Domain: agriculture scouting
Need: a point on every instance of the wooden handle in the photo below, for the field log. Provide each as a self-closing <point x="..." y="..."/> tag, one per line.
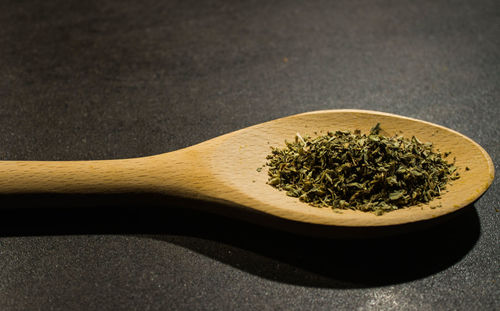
<point x="74" y="176"/>
<point x="178" y="173"/>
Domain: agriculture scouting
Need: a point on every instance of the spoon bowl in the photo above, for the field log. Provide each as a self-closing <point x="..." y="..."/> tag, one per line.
<point x="224" y="169"/>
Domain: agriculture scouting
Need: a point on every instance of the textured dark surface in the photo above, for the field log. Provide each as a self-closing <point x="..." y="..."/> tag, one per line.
<point x="117" y="79"/>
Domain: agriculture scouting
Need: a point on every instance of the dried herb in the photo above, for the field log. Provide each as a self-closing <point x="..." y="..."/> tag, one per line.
<point x="367" y="172"/>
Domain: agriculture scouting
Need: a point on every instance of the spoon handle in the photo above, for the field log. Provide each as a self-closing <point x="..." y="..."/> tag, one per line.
<point x="74" y="176"/>
<point x="178" y="173"/>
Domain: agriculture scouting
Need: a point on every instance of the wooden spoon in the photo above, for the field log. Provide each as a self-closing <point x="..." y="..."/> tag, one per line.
<point x="224" y="169"/>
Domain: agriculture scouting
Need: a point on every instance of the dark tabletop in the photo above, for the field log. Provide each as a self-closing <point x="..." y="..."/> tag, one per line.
<point x="86" y="80"/>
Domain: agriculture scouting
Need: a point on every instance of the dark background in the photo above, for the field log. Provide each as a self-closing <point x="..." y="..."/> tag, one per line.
<point x="116" y="79"/>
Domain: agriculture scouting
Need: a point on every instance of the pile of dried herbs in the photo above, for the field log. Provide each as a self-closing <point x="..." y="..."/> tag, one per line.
<point x="357" y="171"/>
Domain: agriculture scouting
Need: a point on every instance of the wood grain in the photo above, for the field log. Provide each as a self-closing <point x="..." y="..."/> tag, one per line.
<point x="224" y="169"/>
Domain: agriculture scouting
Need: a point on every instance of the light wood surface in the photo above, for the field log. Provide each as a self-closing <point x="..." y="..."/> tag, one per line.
<point x="224" y="169"/>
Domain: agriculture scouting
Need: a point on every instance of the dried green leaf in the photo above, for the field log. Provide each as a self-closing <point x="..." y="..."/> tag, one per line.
<point x="367" y="172"/>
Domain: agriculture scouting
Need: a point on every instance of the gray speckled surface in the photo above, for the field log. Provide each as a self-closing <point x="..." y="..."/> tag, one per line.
<point x="116" y="79"/>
